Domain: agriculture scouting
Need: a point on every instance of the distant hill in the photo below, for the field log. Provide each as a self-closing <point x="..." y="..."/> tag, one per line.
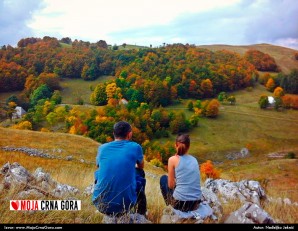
<point x="283" y="56"/>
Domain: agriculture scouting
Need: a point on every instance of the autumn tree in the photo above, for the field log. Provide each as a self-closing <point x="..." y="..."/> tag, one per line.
<point x="278" y="92"/>
<point x="102" y="44"/>
<point x="262" y="61"/>
<point x="113" y="92"/>
<point x="207" y="88"/>
<point x="270" y="85"/>
<point x="23" y="125"/>
<point x="12" y="76"/>
<point x="211" y="108"/>
<point x="264" y="78"/>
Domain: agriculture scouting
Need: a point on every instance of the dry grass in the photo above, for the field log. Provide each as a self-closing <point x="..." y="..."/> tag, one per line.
<point x="278" y="177"/>
<point x="282" y="213"/>
<point x="71" y="145"/>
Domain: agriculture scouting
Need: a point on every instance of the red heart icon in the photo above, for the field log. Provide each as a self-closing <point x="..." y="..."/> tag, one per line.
<point x="15" y="205"/>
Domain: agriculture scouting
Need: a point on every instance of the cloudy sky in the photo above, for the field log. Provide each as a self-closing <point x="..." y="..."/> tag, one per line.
<point x="143" y="22"/>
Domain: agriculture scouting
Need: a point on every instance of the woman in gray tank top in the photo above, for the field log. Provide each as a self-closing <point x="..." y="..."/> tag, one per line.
<point x="181" y="188"/>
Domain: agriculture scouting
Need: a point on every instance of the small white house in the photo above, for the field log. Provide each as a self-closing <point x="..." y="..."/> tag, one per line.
<point x="271" y="101"/>
<point x="19" y="112"/>
<point x="123" y="101"/>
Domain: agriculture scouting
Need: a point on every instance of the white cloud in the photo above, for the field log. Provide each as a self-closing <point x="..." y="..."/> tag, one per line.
<point x="153" y="22"/>
<point x="94" y="20"/>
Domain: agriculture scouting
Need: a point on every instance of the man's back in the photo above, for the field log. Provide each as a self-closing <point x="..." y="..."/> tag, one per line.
<point x="115" y="188"/>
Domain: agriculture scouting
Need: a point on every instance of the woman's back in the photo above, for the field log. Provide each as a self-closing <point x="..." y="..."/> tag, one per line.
<point x="187" y="174"/>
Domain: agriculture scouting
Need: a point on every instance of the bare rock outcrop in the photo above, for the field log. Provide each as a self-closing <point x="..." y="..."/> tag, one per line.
<point x="35" y="185"/>
<point x="245" y="190"/>
<point x="250" y="213"/>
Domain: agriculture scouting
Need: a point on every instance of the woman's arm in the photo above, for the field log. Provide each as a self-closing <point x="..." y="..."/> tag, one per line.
<point x="171" y="172"/>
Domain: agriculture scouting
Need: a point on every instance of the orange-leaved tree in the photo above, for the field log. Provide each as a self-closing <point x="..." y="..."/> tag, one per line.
<point x="209" y="171"/>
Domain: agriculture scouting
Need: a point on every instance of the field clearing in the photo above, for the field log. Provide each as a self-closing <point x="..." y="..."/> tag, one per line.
<point x="73" y="89"/>
<point x="242" y="125"/>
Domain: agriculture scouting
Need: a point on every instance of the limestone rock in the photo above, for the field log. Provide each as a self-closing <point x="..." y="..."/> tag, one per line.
<point x="126" y="219"/>
<point x="250" y="213"/>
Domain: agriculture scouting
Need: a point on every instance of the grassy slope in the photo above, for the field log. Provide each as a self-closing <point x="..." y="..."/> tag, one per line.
<point x="71" y="172"/>
<point x="80" y="175"/>
<point x="237" y="126"/>
<point x="284" y="57"/>
<point x="72" y="89"/>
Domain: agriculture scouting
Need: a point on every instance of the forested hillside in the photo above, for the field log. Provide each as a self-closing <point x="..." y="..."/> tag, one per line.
<point x="145" y="81"/>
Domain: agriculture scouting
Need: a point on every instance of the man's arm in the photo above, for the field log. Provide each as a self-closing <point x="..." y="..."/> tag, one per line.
<point x="140" y="157"/>
<point x="140" y="165"/>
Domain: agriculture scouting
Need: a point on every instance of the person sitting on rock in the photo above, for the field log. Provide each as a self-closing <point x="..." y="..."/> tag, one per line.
<point x="120" y="178"/>
<point x="181" y="188"/>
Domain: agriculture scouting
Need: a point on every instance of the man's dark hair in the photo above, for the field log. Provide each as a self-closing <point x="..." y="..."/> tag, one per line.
<point x="121" y="129"/>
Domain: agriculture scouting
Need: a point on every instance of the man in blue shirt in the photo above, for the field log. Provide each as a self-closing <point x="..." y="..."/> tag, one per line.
<point x="120" y="178"/>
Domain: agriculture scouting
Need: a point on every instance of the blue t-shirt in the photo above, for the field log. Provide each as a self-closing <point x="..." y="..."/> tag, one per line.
<point x="115" y="187"/>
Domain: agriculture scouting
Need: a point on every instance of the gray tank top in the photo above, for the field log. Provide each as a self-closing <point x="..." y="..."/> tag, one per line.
<point x="188" y="186"/>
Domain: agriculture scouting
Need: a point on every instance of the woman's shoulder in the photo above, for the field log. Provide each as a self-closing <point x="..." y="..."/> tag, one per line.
<point x="191" y="157"/>
<point x="174" y="159"/>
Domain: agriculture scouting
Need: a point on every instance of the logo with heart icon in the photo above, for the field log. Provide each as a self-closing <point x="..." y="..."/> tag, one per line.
<point x="14" y="205"/>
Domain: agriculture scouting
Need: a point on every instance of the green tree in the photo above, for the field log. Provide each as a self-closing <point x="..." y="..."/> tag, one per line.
<point x="56" y="97"/>
<point x="12" y="98"/>
<point x="42" y="92"/>
<point x="222" y="96"/>
<point x="190" y="106"/>
<point x="11" y="109"/>
<point x="278" y="103"/>
<point x="99" y="95"/>
<point x="52" y="118"/>
<point x="198" y="104"/>
<point x="231" y="99"/>
<point x="263" y="101"/>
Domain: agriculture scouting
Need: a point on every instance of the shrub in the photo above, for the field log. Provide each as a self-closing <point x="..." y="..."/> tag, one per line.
<point x="290" y="155"/>
<point x="24" y="125"/>
<point x="209" y="171"/>
<point x="156" y="162"/>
